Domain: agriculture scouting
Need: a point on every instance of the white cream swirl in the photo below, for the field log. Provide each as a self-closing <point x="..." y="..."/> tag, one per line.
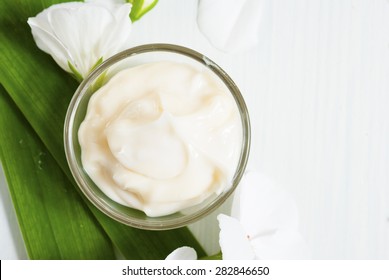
<point x="161" y="137"/>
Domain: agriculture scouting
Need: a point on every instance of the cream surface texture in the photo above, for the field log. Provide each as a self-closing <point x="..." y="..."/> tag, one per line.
<point x="161" y="137"/>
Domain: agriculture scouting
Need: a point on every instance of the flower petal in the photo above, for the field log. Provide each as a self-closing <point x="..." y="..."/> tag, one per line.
<point x="82" y="33"/>
<point x="117" y="37"/>
<point x="230" y="25"/>
<point x="183" y="253"/>
<point x="233" y="240"/>
<point x="50" y="44"/>
<point x="263" y="207"/>
<point x="282" y="245"/>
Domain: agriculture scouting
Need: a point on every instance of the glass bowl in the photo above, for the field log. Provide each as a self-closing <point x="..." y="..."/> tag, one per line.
<point x="76" y="114"/>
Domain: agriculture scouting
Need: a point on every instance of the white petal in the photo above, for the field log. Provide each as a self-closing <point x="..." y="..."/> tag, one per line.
<point x="64" y="28"/>
<point x="231" y="25"/>
<point x="183" y="253"/>
<point x="50" y="44"/>
<point x="282" y="245"/>
<point x="80" y="30"/>
<point x="118" y="35"/>
<point x="82" y="33"/>
<point x="263" y="206"/>
<point x="233" y="240"/>
<point x="45" y="37"/>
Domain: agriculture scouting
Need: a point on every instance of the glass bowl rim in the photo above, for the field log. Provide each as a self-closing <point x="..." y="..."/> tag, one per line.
<point x="77" y="170"/>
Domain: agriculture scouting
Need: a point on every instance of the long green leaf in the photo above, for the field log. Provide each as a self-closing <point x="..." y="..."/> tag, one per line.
<point x="42" y="92"/>
<point x="55" y="222"/>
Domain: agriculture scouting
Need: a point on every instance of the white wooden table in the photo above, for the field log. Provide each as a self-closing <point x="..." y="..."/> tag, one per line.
<point x="317" y="87"/>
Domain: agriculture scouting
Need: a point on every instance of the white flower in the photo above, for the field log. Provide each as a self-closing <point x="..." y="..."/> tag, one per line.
<point x="232" y="25"/>
<point x="183" y="253"/>
<point x="80" y="35"/>
<point x="263" y="223"/>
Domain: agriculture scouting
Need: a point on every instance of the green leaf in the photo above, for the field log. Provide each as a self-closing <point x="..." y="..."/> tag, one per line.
<point x="98" y="62"/>
<point x="42" y="92"/>
<point x="140" y="8"/>
<point x="55" y="222"/>
<point x="77" y="75"/>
